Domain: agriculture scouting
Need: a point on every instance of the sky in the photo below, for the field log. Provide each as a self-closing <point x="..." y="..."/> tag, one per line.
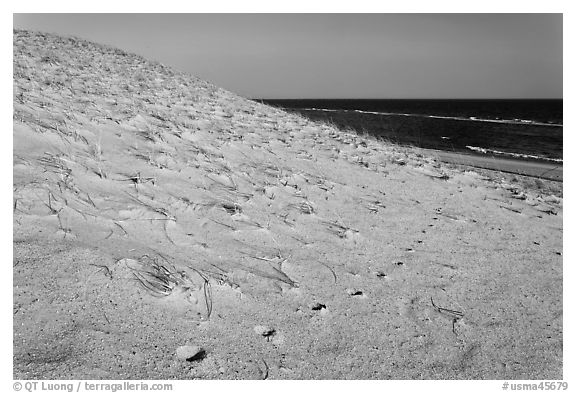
<point x="340" y="55"/>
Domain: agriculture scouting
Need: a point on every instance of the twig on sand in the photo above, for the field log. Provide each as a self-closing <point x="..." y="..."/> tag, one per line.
<point x="221" y="223"/>
<point x="229" y="185"/>
<point x="158" y="210"/>
<point x="207" y="289"/>
<point x="229" y="206"/>
<point x="120" y="226"/>
<point x="166" y="232"/>
<point x="454" y="314"/>
<point x="372" y="204"/>
<point x="304" y="207"/>
<point x="265" y="372"/>
<point x="285" y="219"/>
<point x="442" y="176"/>
<point x="511" y="209"/>
<point x="277" y="259"/>
<point x="90" y="199"/>
<point x="103" y="268"/>
<point x="458" y="314"/>
<point x="49" y="205"/>
<point x="339" y="230"/>
<point x="331" y="270"/>
<point x="247" y="220"/>
<point x="208" y="297"/>
<point x="219" y="268"/>
<point x="303" y="241"/>
<point x="138" y="179"/>
<point x="280" y="276"/>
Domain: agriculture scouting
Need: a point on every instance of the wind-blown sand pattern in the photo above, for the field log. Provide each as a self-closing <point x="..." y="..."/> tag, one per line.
<point x="155" y="211"/>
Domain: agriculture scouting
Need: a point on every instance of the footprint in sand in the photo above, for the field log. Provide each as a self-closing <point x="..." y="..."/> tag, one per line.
<point x="354" y="292"/>
<point x="317" y="306"/>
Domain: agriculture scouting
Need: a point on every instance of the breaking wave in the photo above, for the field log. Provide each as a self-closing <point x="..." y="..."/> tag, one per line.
<point x="516" y="155"/>
<point x="471" y="118"/>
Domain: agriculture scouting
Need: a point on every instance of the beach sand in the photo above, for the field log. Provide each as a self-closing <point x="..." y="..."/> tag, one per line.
<point x="535" y="169"/>
<point x="154" y="212"/>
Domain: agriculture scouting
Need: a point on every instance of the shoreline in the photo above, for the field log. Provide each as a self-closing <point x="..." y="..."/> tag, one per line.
<point x="516" y="142"/>
<point x="535" y="169"/>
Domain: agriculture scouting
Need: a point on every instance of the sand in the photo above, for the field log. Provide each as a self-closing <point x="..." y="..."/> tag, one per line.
<point x="168" y="229"/>
<point x="534" y="169"/>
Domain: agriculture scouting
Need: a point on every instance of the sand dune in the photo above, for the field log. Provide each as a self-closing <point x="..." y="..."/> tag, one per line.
<point x="155" y="212"/>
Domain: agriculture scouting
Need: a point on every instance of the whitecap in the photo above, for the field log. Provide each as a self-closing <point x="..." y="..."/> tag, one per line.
<point x="517" y="155"/>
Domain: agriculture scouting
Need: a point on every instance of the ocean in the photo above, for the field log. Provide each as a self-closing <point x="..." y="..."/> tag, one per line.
<point x="517" y="129"/>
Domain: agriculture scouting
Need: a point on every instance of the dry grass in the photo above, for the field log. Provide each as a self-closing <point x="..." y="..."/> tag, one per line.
<point x="304" y="207"/>
<point x="160" y="279"/>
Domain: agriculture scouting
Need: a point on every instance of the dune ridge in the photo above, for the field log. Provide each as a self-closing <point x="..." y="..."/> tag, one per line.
<point x="155" y="212"/>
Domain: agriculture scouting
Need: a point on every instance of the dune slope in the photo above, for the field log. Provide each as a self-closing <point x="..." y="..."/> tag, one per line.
<point x="155" y="211"/>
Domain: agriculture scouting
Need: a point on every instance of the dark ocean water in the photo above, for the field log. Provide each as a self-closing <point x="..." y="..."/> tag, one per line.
<point x="519" y="129"/>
